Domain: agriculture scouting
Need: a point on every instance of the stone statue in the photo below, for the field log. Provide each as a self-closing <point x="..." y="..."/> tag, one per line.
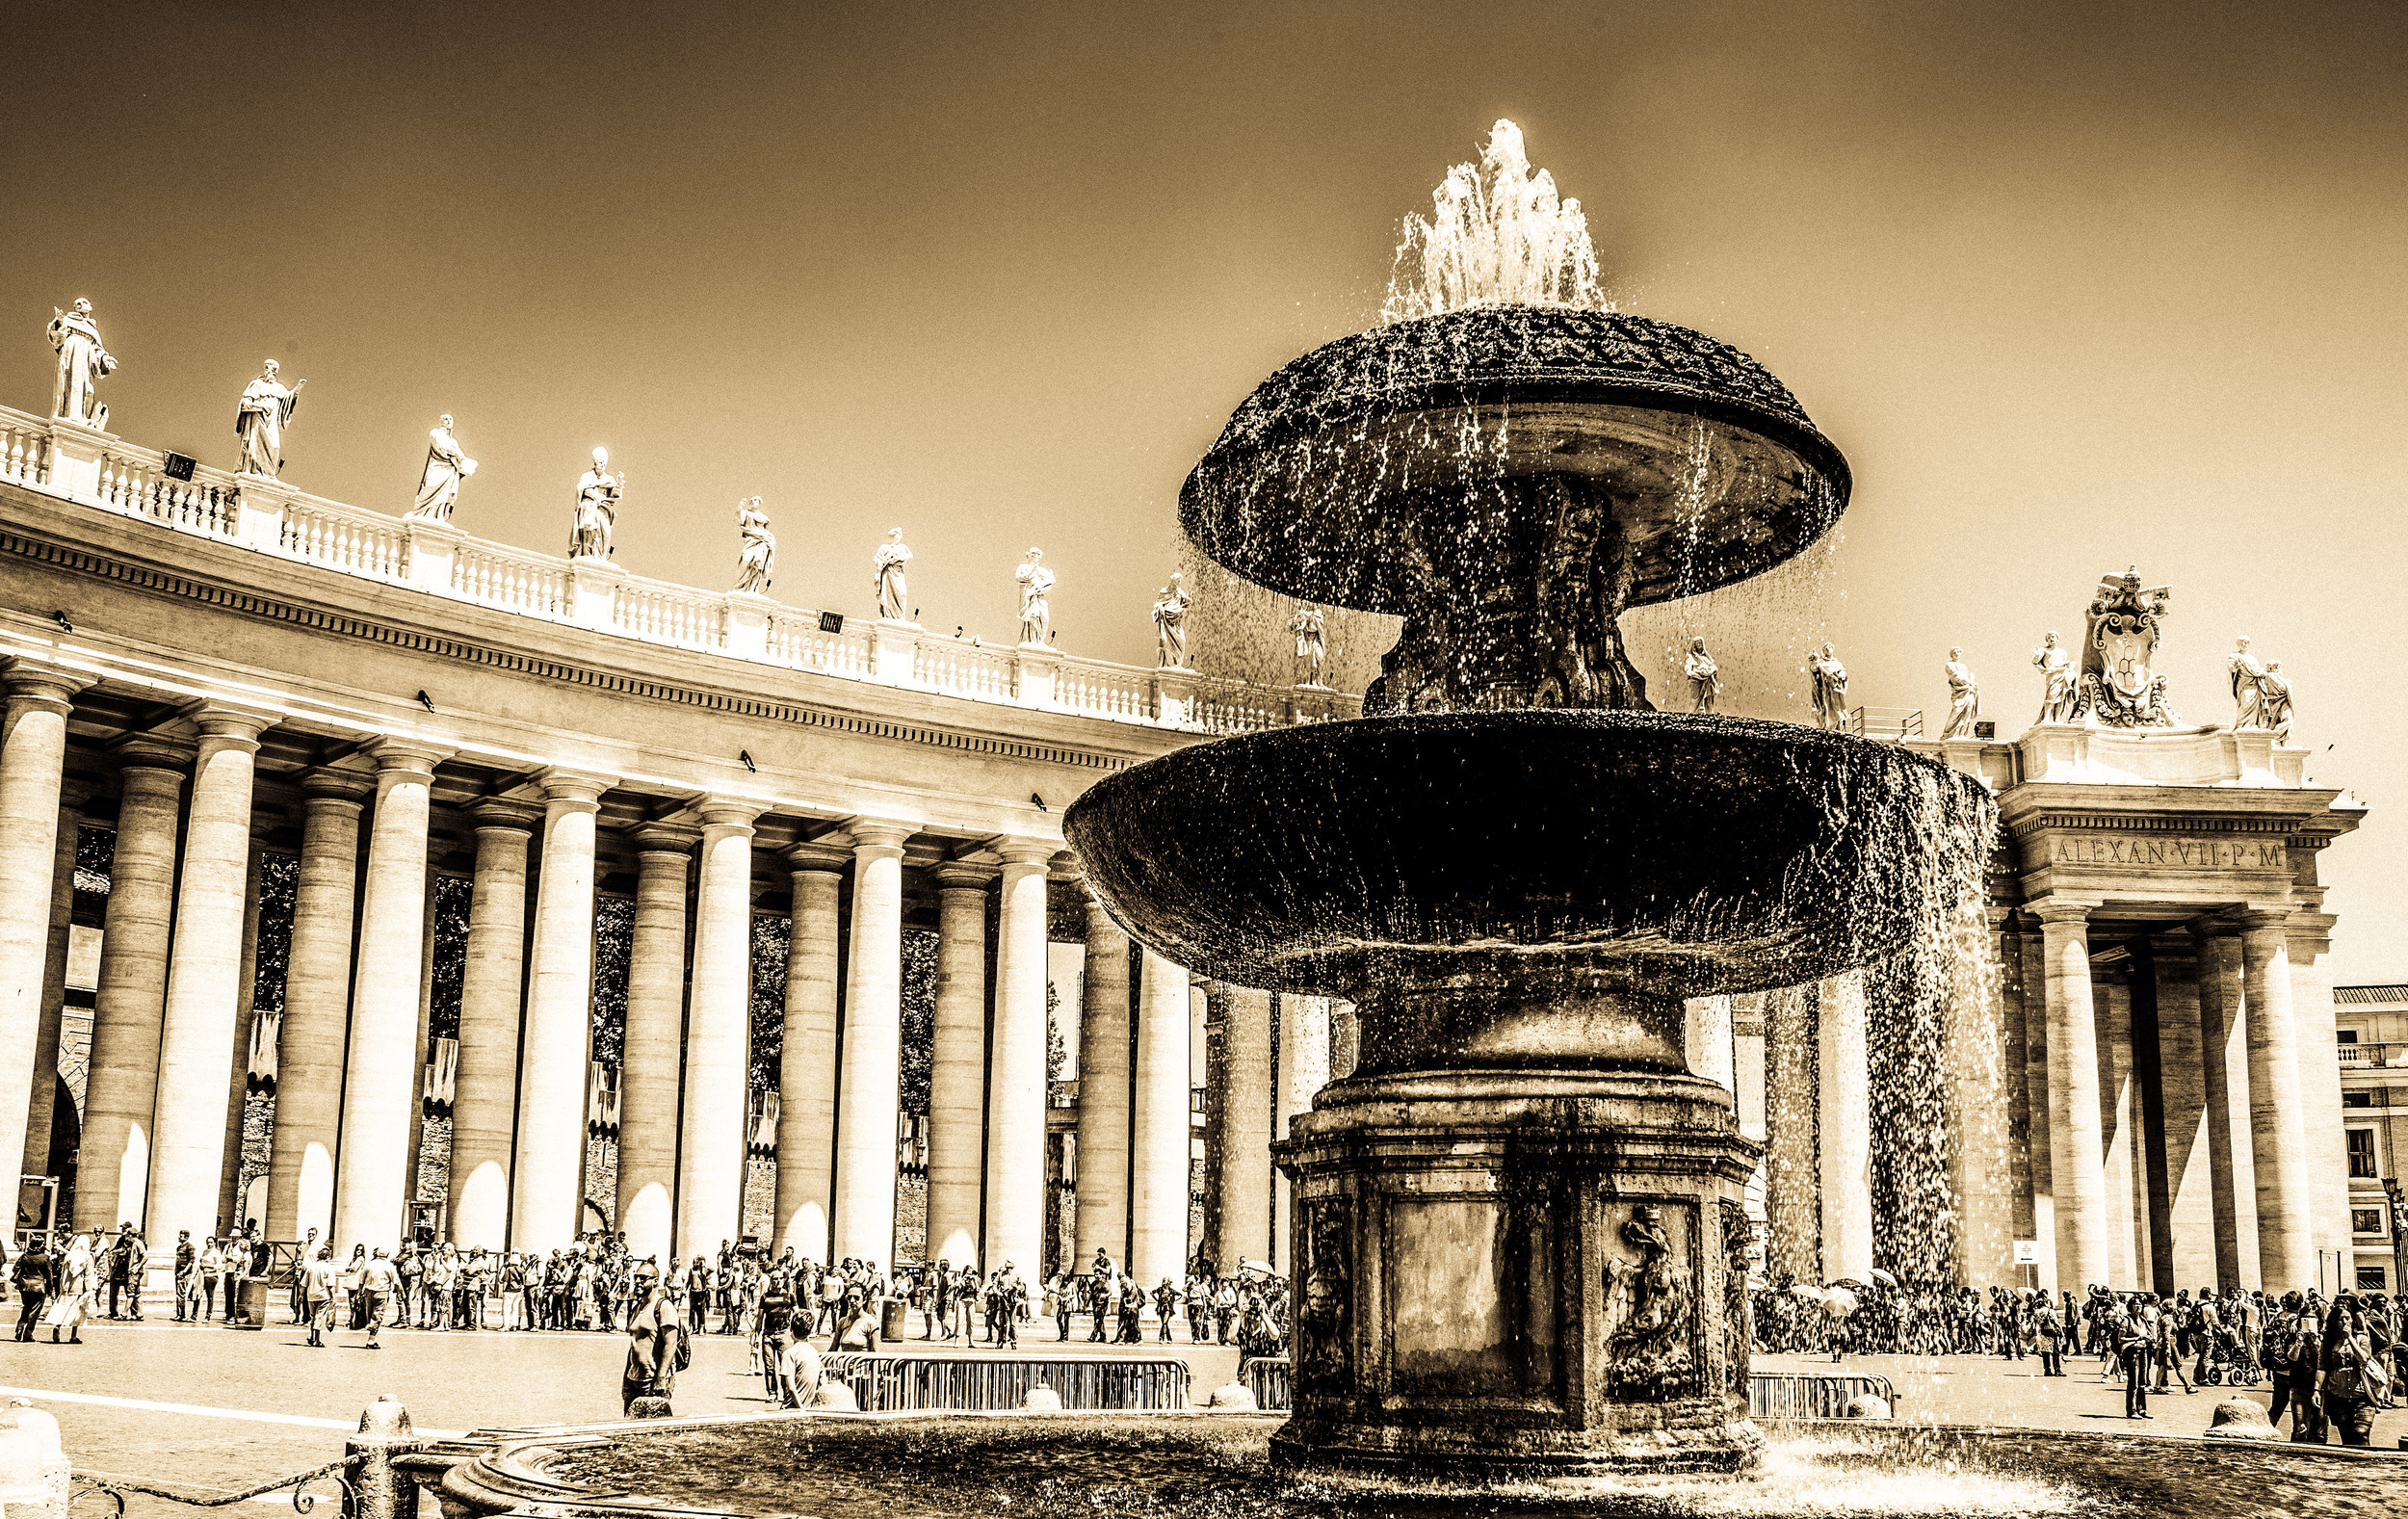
<point x="1312" y="649"/>
<point x="1647" y="1312"/>
<point x="1964" y="697"/>
<point x="1036" y="614"/>
<point x="82" y="360"/>
<point x="2248" y="677"/>
<point x="894" y="595"/>
<point x="267" y="408"/>
<point x="2056" y="665"/>
<point x="438" y="484"/>
<point x="757" y="554"/>
<point x="1705" y="676"/>
<point x="597" y="508"/>
<point x="2275" y="700"/>
<point x="1830" y="695"/>
<point x="1171" y="624"/>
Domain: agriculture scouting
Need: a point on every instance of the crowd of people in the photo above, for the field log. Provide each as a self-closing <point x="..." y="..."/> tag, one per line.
<point x="2331" y="1363"/>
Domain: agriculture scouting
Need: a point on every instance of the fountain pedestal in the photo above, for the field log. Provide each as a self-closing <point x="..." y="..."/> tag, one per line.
<point x="1516" y="1274"/>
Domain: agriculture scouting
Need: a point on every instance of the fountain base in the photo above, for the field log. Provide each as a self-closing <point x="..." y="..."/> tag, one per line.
<point x="1516" y="1276"/>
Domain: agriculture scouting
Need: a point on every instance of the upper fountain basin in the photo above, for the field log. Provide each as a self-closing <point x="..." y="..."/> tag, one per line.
<point x="1713" y="469"/>
<point x="1667" y="852"/>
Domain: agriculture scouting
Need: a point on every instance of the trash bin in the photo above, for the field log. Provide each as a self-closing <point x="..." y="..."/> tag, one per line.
<point x="892" y="1326"/>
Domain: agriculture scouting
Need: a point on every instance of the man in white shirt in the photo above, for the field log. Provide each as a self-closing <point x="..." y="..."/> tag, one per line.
<point x="378" y="1280"/>
<point x="317" y="1294"/>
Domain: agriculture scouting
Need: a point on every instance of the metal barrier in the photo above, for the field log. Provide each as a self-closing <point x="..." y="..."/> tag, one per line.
<point x="1266" y="1377"/>
<point x="1808" y="1395"/>
<point x="903" y="1383"/>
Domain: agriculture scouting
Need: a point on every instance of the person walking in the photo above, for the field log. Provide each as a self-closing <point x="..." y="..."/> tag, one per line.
<point x="317" y="1294"/>
<point x="1167" y="1307"/>
<point x="2047" y="1328"/>
<point x="2168" y="1352"/>
<point x="378" y="1285"/>
<point x="2134" y="1334"/>
<point x="656" y="1351"/>
<point x="2282" y="1327"/>
<point x="73" y="1298"/>
<point x="2354" y="1381"/>
<point x="35" y="1274"/>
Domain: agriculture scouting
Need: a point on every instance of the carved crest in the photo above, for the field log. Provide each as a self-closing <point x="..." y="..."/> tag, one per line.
<point x="2120" y="687"/>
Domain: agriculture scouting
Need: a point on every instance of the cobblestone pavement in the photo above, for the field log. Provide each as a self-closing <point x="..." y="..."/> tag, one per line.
<point x="1982" y="1389"/>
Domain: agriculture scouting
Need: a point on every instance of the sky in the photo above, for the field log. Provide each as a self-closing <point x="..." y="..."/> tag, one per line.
<point x="2073" y="286"/>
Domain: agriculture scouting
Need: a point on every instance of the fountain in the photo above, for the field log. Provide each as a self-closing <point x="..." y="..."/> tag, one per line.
<point x="1517" y="1222"/>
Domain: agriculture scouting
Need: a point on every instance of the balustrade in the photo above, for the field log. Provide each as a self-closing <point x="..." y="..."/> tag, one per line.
<point x="24" y="449"/>
<point x="134" y="483"/>
<point x="344" y="541"/>
<point x="663" y="613"/>
<point x="801" y="643"/>
<point x="1104" y="691"/>
<point x="514" y="581"/>
<point x="964" y="669"/>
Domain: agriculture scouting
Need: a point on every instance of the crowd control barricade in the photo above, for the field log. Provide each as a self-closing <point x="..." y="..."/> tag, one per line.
<point x="908" y="1383"/>
<point x="1266" y="1377"/>
<point x="1810" y="1394"/>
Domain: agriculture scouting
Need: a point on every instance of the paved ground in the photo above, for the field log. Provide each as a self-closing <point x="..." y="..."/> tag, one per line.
<point x="224" y="1408"/>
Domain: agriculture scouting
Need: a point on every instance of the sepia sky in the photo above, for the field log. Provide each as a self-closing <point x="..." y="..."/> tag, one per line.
<point x="2072" y="285"/>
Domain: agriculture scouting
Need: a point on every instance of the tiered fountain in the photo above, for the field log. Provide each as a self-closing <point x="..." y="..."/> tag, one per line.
<point x="1516" y="1240"/>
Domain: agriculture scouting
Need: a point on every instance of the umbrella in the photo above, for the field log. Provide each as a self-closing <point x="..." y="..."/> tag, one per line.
<point x="1839" y="1302"/>
<point x="1884" y="1277"/>
<point x="1805" y="1292"/>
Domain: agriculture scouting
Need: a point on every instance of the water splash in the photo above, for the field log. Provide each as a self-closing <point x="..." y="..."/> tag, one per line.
<point x="1497" y="234"/>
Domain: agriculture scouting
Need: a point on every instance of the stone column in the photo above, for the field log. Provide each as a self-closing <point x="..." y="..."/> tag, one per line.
<point x="238" y="1065"/>
<point x="871" y="1059"/>
<point x="2076" y="1141"/>
<point x="958" y="1074"/>
<point x="2224" y="1069"/>
<point x="204" y="968"/>
<point x="2119" y="1126"/>
<point x="1708" y="1040"/>
<point x="2185" y="1236"/>
<point x="1845" y="1127"/>
<point x="718" y="1033"/>
<point x="2286" y="1258"/>
<point x="485" y="1093"/>
<point x="1792" y="1171"/>
<point x="33" y="768"/>
<point x="1304" y="1071"/>
<point x="546" y="1200"/>
<point x="2036" y="1101"/>
<point x="383" y="1067"/>
<point x="317" y="1007"/>
<point x="651" y="1079"/>
<point x="1161" y="1140"/>
<point x="2321" y="1081"/>
<point x="1015" y="1078"/>
<point x="1245" y="1121"/>
<point x="806" y="1072"/>
<point x="1103" y="1187"/>
<point x="41" y="1112"/>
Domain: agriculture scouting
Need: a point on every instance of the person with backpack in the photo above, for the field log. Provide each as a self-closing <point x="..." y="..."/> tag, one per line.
<point x="2354" y="1382"/>
<point x="2048" y="1332"/>
<point x="2168" y="1352"/>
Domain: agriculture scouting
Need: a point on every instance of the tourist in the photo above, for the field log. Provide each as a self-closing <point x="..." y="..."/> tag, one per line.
<point x="656" y="1352"/>
<point x="379" y="1284"/>
<point x="78" y="1285"/>
<point x="2168" y="1354"/>
<point x="317" y="1294"/>
<point x="2281" y="1327"/>
<point x="2135" y="1333"/>
<point x="126" y="1259"/>
<point x="35" y="1274"/>
<point x="1166" y="1300"/>
<point x="2354" y="1381"/>
<point x="858" y="1332"/>
<point x="1010" y="1301"/>
<point x="348" y="1279"/>
<point x="2049" y="1335"/>
<point x="213" y="1267"/>
<point x="186" y="1275"/>
<point x="801" y="1373"/>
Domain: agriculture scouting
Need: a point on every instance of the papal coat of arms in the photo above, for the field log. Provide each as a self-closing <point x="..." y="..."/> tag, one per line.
<point x="2119" y="690"/>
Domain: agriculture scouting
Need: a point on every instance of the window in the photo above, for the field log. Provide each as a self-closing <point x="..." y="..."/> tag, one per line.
<point x="2371" y="1280"/>
<point x="2358" y="1099"/>
<point x="2362" y="1153"/>
<point x="2366" y="1220"/>
<point x="2346" y="1035"/>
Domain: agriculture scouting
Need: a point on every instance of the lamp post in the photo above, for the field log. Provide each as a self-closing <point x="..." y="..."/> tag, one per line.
<point x="2398" y="1196"/>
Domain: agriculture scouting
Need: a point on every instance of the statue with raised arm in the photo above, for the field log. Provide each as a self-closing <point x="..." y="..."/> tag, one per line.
<point x="438" y="484"/>
<point x="1311" y="648"/>
<point x="267" y="408"/>
<point x="894" y="594"/>
<point x="757" y="554"/>
<point x="2056" y="665"/>
<point x="598" y="492"/>
<point x="1036" y="614"/>
<point x="1964" y="697"/>
<point x="1830" y="693"/>
<point x="1171" y="624"/>
<point x="2275" y="700"/>
<point x="2248" y="678"/>
<point x="1705" y="676"/>
<point x="82" y="360"/>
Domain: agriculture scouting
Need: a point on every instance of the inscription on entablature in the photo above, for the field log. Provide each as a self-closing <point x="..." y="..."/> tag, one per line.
<point x="2176" y="853"/>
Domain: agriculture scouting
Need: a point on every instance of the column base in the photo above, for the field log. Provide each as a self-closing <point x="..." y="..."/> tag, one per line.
<point x="1507" y="1276"/>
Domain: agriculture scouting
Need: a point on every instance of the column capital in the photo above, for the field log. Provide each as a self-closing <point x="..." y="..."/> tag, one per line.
<point x="327" y="783"/>
<point x="832" y="852"/>
<point x="2257" y="917"/>
<point x="664" y="838"/>
<point x="2219" y="927"/>
<point x="730" y="812"/>
<point x="499" y="812"/>
<point x="29" y="679"/>
<point x="238" y="722"/>
<point x="1025" y="851"/>
<point x="2055" y="911"/>
<point x="405" y="758"/>
<point x="578" y="790"/>
<point x="963" y="876"/>
<point x="153" y="751"/>
<point x="879" y="833"/>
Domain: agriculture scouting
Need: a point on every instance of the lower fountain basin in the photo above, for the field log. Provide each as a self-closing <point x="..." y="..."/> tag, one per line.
<point x="1668" y="855"/>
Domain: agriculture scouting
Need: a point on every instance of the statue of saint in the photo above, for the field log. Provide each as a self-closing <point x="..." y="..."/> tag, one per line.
<point x="757" y="554"/>
<point x="2248" y="677"/>
<point x="597" y="508"/>
<point x="894" y="597"/>
<point x="1964" y="697"/>
<point x="1830" y="678"/>
<point x="2276" y="701"/>
<point x="266" y="409"/>
<point x="1312" y="649"/>
<point x="82" y="360"/>
<point x="1036" y="614"/>
<point x="438" y="484"/>
<point x="2055" y="666"/>
<point x="1171" y="624"/>
<point x="1705" y="676"/>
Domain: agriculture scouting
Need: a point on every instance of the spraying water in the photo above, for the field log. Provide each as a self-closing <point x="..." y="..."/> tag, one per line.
<point x="1497" y="235"/>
